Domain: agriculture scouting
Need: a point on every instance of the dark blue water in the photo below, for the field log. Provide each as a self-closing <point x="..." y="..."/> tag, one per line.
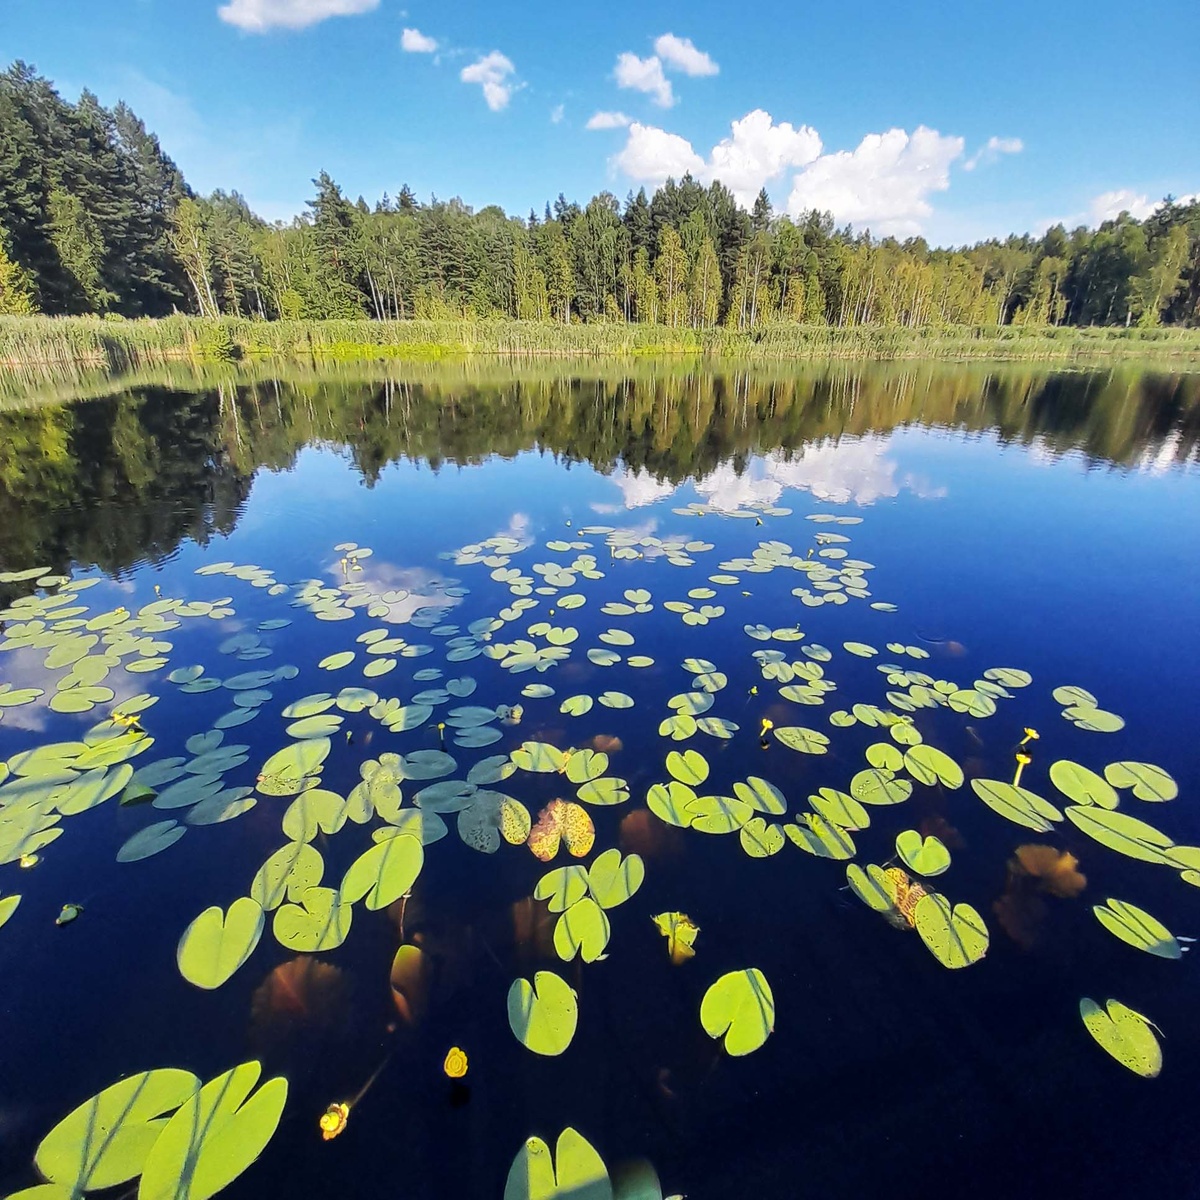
<point x="1015" y="519"/>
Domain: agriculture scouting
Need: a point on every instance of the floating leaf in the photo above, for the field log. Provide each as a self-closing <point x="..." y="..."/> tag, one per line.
<point x="1097" y="720"/>
<point x="106" y="1141"/>
<point x="561" y="821"/>
<point x="669" y="802"/>
<point x="576" y="706"/>
<point x="760" y="840"/>
<point x="1125" y="1034"/>
<point x="681" y="932"/>
<point x="580" y="1175"/>
<point x="1017" y="805"/>
<point x="874" y="786"/>
<point x="151" y="840"/>
<point x="927" y="856"/>
<point x="8" y="906"/>
<point x="216" y="943"/>
<point x="928" y="765"/>
<point x="320" y="921"/>
<point x="885" y="756"/>
<point x="1122" y="833"/>
<point x="740" y="1007"/>
<point x="807" y="741"/>
<point x="288" y="873"/>
<point x="586" y="765"/>
<point x="215" y="1136"/>
<point x="314" y="811"/>
<point x="718" y="814"/>
<point x="285" y="772"/>
<point x="762" y="796"/>
<point x="1148" y="781"/>
<point x="840" y="809"/>
<point x="543" y="1015"/>
<point x="604" y="791"/>
<point x="861" y="649"/>
<point x="690" y="767"/>
<point x="956" y="937"/>
<point x="1138" y="928"/>
<point x="562" y="887"/>
<point x="539" y="756"/>
<point x="1081" y="785"/>
<point x="972" y="702"/>
<point x="582" y="930"/>
<point x="613" y="879"/>
<point x="814" y="835"/>
<point x="384" y="873"/>
<point x="870" y="886"/>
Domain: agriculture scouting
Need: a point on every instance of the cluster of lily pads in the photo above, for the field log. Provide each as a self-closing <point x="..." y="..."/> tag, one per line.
<point x="404" y="796"/>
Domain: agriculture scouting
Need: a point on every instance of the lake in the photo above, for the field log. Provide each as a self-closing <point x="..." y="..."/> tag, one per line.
<point x="439" y="678"/>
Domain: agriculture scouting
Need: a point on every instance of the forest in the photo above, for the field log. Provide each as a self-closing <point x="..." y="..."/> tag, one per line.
<point x="96" y="218"/>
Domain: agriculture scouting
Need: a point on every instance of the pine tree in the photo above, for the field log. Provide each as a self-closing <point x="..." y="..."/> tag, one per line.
<point x="16" y="286"/>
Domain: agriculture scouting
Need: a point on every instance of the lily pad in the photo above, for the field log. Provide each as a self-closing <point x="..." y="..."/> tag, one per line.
<point x="582" y="930"/>
<point x="1122" y="833"/>
<point x="740" y="1008"/>
<point x="613" y="879"/>
<point x="1137" y="928"/>
<point x="840" y="809"/>
<point x="870" y="886"/>
<point x="762" y="796"/>
<point x="562" y="887"/>
<point x="543" y="1014"/>
<point x="1125" y="1034"/>
<point x="688" y="766"/>
<point x="585" y="765"/>
<point x="1148" y="781"/>
<point x="1016" y="804"/>
<point x="927" y="856"/>
<point x="150" y="841"/>
<point x="320" y="921"/>
<point x="539" y="757"/>
<point x="214" y="1137"/>
<point x="107" y="1140"/>
<point x="956" y="937"/>
<point x="928" y="765"/>
<point x="575" y="1172"/>
<point x="807" y="741"/>
<point x="287" y="874"/>
<point x="384" y="873"/>
<point x="760" y="840"/>
<point x="217" y="943"/>
<point x="286" y="772"/>
<point x="1080" y="785"/>
<point x="669" y="802"/>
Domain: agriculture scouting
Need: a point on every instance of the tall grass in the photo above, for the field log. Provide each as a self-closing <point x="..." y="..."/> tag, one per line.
<point x="40" y="344"/>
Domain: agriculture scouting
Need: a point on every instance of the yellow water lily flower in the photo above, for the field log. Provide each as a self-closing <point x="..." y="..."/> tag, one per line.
<point x="333" y="1121"/>
<point x="455" y="1065"/>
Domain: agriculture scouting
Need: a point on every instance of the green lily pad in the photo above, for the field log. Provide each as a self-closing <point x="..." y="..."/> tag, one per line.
<point x="286" y="772"/>
<point x="582" y="930"/>
<point x="313" y="811"/>
<point x="543" y="1014"/>
<point x="875" y="786"/>
<point x="1138" y="928"/>
<point x="150" y="841"/>
<point x="585" y="765"/>
<point x="8" y="906"/>
<point x="807" y="741"/>
<point x="870" y="886"/>
<point x="1147" y="781"/>
<point x="1017" y="805"/>
<point x="1071" y="695"/>
<point x="1122" y="833"/>
<point x="814" y="835"/>
<point x="1012" y="677"/>
<point x="861" y="649"/>
<point x="320" y="921"/>
<point x="690" y="767"/>
<point x="669" y="802"/>
<point x="214" y="1137"/>
<point x="1125" y="1034"/>
<point x="928" y="765"/>
<point x="718" y="814"/>
<point x="287" y="874"/>
<point x="216" y="943"/>
<point x="840" y="809"/>
<point x="576" y="706"/>
<point x="971" y="702"/>
<point x="580" y="1175"/>
<point x="1096" y="720"/>
<point x="606" y="791"/>
<point x="540" y="757"/>
<point x="740" y="1008"/>
<point x="927" y="856"/>
<point x="956" y="937"/>
<point x="760" y="840"/>
<point x="1080" y="785"/>
<point x="562" y="887"/>
<point x="613" y="879"/>
<point x="384" y="873"/>
<point x="885" y="756"/>
<point x="762" y="796"/>
<point x="107" y="1140"/>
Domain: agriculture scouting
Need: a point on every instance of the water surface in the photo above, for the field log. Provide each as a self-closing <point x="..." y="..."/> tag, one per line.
<point x="1014" y="518"/>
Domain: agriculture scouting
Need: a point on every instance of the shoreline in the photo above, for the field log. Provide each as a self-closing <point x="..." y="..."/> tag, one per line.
<point x="41" y="346"/>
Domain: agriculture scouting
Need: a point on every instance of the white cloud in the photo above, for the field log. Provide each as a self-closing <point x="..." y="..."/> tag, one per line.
<point x="644" y="75"/>
<point x="415" y="42"/>
<point x="884" y="183"/>
<point x="1108" y="206"/>
<point x="756" y="151"/>
<point x="991" y="150"/>
<point x="557" y="113"/>
<point x="652" y="154"/>
<point x="492" y="73"/>
<point x="608" y="120"/>
<point x="759" y="150"/>
<point x="679" y="53"/>
<point x="639" y="488"/>
<point x="257" y="16"/>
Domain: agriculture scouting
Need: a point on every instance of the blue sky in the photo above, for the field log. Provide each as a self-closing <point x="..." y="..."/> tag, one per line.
<point x="954" y="121"/>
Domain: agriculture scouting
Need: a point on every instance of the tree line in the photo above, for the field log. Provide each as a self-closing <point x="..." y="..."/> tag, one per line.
<point x="96" y="218"/>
